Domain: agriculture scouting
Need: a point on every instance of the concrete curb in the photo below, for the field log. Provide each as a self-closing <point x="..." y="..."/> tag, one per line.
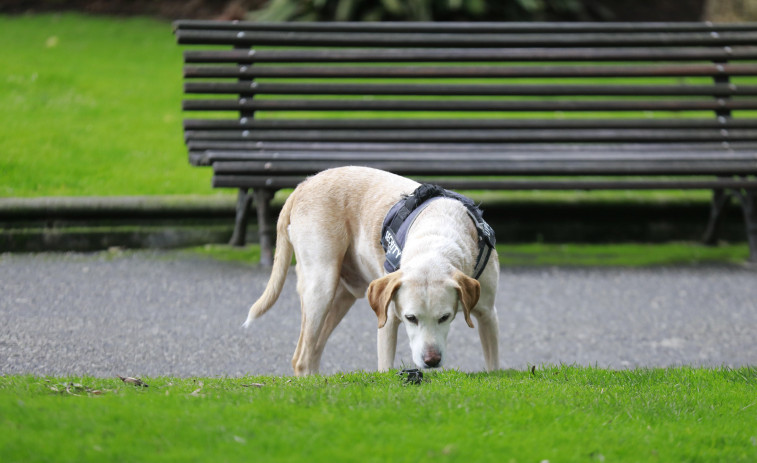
<point x="59" y="207"/>
<point x="95" y="223"/>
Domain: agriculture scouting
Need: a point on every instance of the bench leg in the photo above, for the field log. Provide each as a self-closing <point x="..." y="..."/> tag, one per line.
<point x="266" y="225"/>
<point x="748" y="200"/>
<point x="238" y="238"/>
<point x="720" y="199"/>
<point x="749" y="206"/>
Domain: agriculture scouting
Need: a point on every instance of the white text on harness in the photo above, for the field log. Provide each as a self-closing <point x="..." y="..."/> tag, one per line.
<point x="392" y="247"/>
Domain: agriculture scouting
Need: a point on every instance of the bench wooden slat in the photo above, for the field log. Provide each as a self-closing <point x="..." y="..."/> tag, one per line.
<point x="470" y="135"/>
<point x="249" y="104"/>
<point x="519" y="167"/>
<point x="205" y="153"/>
<point x="493" y="123"/>
<point x="467" y="39"/>
<point x="713" y="147"/>
<point x="473" y="71"/>
<point x="256" y="88"/>
<point x="463" y="27"/>
<point x="431" y="55"/>
<point x="501" y="156"/>
<point x="278" y="182"/>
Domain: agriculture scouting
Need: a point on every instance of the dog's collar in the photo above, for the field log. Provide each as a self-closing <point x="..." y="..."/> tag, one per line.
<point x="401" y="216"/>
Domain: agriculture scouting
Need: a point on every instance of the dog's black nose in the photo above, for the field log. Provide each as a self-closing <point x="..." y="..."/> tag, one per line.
<point x="432" y="358"/>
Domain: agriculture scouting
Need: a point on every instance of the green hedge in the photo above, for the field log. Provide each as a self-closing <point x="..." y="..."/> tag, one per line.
<point x="430" y="10"/>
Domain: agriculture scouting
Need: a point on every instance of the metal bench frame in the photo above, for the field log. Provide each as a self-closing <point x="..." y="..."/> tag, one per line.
<point x="685" y="97"/>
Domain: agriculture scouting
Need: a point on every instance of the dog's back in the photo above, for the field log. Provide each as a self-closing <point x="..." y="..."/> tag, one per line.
<point x="322" y="213"/>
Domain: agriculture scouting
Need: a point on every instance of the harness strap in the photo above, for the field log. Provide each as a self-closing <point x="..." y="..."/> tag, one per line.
<point x="401" y="216"/>
<point x="486" y="241"/>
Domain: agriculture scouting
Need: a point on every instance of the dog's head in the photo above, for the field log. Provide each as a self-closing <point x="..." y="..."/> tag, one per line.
<point x="426" y="307"/>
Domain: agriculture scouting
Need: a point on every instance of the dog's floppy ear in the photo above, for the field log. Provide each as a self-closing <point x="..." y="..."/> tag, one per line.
<point x="380" y="293"/>
<point x="469" y="291"/>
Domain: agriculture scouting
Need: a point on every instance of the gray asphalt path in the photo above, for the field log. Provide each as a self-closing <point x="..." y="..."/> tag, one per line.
<point x="152" y="313"/>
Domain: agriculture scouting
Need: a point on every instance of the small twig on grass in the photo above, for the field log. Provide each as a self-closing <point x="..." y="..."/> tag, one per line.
<point x="73" y="389"/>
<point x="253" y="385"/>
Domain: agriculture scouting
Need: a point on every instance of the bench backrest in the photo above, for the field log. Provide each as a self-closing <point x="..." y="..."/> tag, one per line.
<point x="419" y="86"/>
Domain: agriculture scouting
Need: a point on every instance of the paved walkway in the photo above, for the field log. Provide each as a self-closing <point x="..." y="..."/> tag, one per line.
<point x="151" y="313"/>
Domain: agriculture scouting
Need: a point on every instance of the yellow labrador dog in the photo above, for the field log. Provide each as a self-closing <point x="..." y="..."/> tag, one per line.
<point x="333" y="223"/>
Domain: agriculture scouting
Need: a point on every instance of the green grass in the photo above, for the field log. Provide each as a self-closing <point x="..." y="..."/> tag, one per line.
<point x="249" y="254"/>
<point x="557" y="414"/>
<point x="621" y="255"/>
<point x="575" y="255"/>
<point x="92" y="106"/>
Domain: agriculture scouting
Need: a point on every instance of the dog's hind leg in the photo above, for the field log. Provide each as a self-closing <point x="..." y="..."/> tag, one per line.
<point x="320" y="238"/>
<point x="298" y="350"/>
<point x="343" y="301"/>
<point x="317" y="285"/>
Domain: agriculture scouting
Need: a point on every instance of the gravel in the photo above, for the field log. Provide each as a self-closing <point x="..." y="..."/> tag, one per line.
<point x="165" y="313"/>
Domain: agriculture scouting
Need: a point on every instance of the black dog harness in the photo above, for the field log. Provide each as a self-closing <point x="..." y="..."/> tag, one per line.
<point x="401" y="216"/>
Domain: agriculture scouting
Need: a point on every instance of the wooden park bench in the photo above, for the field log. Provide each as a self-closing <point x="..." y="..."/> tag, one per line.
<point x="501" y="106"/>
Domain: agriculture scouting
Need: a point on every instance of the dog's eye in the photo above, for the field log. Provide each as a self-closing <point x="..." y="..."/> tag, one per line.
<point x="412" y="319"/>
<point x="444" y="318"/>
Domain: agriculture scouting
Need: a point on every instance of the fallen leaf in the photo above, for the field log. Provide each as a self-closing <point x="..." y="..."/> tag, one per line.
<point x="196" y="392"/>
<point x="253" y="385"/>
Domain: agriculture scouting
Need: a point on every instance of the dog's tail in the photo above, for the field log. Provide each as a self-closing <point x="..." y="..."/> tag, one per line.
<point x="282" y="258"/>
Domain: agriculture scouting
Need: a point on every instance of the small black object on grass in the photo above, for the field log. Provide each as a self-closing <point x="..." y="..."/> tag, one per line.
<point x="135" y="381"/>
<point x="414" y="376"/>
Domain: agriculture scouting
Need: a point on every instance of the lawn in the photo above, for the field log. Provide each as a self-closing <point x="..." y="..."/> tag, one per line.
<point x="556" y="414"/>
<point x="542" y="254"/>
<point x="92" y="106"/>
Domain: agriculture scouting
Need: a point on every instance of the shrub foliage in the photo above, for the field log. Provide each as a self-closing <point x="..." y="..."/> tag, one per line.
<point x="429" y="10"/>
